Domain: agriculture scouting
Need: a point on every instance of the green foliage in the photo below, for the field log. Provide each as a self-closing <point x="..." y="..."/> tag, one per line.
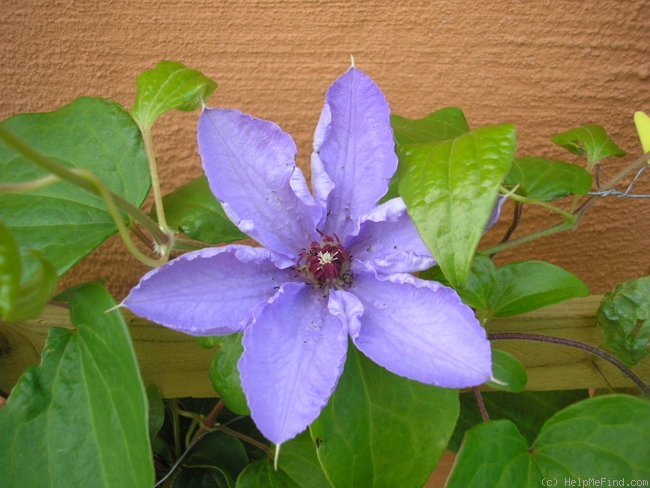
<point x="22" y="297"/>
<point x="62" y="221"/>
<point x="624" y="318"/>
<point x="509" y="373"/>
<point x="528" y="410"/>
<point x="80" y="418"/>
<point x="514" y="288"/>
<point x="156" y="411"/>
<point x="547" y="180"/>
<point x="602" y="437"/>
<point x="299" y="460"/>
<point x="261" y="474"/>
<point x="217" y="451"/>
<point x="170" y="85"/>
<point x="401" y="427"/>
<point x="450" y="189"/>
<point x="83" y="418"/>
<point x="590" y="141"/>
<point x="225" y="375"/>
<point x="447" y="123"/>
<point x="193" y="209"/>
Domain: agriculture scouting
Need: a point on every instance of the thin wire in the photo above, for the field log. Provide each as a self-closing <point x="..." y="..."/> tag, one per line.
<point x="623" y="194"/>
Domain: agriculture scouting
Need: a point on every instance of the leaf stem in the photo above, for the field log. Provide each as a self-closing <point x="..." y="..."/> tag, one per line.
<point x="90" y="182"/>
<point x="481" y="404"/>
<point x="33" y="185"/>
<point x="153" y="171"/>
<point x="576" y="215"/>
<point x="577" y="345"/>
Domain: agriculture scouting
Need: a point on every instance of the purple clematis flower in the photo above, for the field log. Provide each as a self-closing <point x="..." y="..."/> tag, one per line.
<point x="333" y="265"/>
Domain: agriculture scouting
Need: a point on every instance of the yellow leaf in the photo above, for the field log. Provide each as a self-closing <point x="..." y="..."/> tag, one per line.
<point x="642" y="122"/>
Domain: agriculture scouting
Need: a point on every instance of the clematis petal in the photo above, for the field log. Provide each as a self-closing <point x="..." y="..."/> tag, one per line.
<point x="320" y="180"/>
<point x="354" y="147"/>
<point x="293" y="356"/>
<point x="496" y="212"/>
<point x="214" y="291"/>
<point x="250" y="166"/>
<point x="389" y="242"/>
<point x="421" y="330"/>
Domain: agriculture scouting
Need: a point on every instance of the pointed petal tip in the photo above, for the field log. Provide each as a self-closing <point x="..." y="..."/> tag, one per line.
<point x="291" y="365"/>
<point x="441" y="343"/>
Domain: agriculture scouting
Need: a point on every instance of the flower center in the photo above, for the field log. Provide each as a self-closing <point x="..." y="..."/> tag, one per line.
<point x="326" y="263"/>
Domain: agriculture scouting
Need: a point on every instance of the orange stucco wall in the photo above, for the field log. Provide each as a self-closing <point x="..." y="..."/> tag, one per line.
<point x="545" y="66"/>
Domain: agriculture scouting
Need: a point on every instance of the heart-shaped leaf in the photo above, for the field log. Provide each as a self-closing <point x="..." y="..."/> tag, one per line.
<point x="529" y="285"/>
<point x="529" y="410"/>
<point x="444" y="124"/>
<point x="81" y="416"/>
<point x="193" y="209"/>
<point x="63" y="222"/>
<point x="170" y="85"/>
<point x="515" y="288"/>
<point x="591" y="141"/>
<point x="624" y="318"/>
<point x="600" y="438"/>
<point x="546" y="180"/>
<point x="401" y="427"/>
<point x="450" y="189"/>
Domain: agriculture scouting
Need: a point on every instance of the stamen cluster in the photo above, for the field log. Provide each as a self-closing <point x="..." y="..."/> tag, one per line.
<point x="326" y="263"/>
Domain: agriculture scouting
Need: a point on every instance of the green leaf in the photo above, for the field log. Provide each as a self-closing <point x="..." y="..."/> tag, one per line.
<point x="624" y="318"/>
<point x="444" y="124"/>
<point x="10" y="270"/>
<point x="601" y="437"/>
<point x="379" y="429"/>
<point x="224" y="374"/>
<point x="261" y="474"/>
<point x="493" y="454"/>
<point x="193" y="209"/>
<point x="450" y="189"/>
<point x="23" y="297"/>
<point x="200" y="478"/>
<point x="220" y="451"/>
<point x="547" y="180"/>
<point x="481" y="282"/>
<point x="63" y="222"/>
<point x="604" y="436"/>
<point x="298" y="459"/>
<point x="590" y="141"/>
<point x="35" y="293"/>
<point x="170" y="85"/>
<point x="508" y="371"/>
<point x="80" y="418"/>
<point x="156" y="410"/>
<point x="515" y="288"/>
<point x="529" y="285"/>
<point x="527" y="409"/>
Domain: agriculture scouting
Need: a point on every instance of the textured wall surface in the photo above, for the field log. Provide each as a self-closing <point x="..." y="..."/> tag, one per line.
<point x="545" y="66"/>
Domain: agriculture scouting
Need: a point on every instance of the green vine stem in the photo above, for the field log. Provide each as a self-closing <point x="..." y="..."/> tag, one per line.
<point x="90" y="182"/>
<point x="576" y="215"/>
<point x="155" y="180"/>
<point x="33" y="185"/>
<point x="577" y="345"/>
<point x="205" y="427"/>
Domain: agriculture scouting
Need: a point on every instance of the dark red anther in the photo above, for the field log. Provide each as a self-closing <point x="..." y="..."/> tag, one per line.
<point x="327" y="262"/>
